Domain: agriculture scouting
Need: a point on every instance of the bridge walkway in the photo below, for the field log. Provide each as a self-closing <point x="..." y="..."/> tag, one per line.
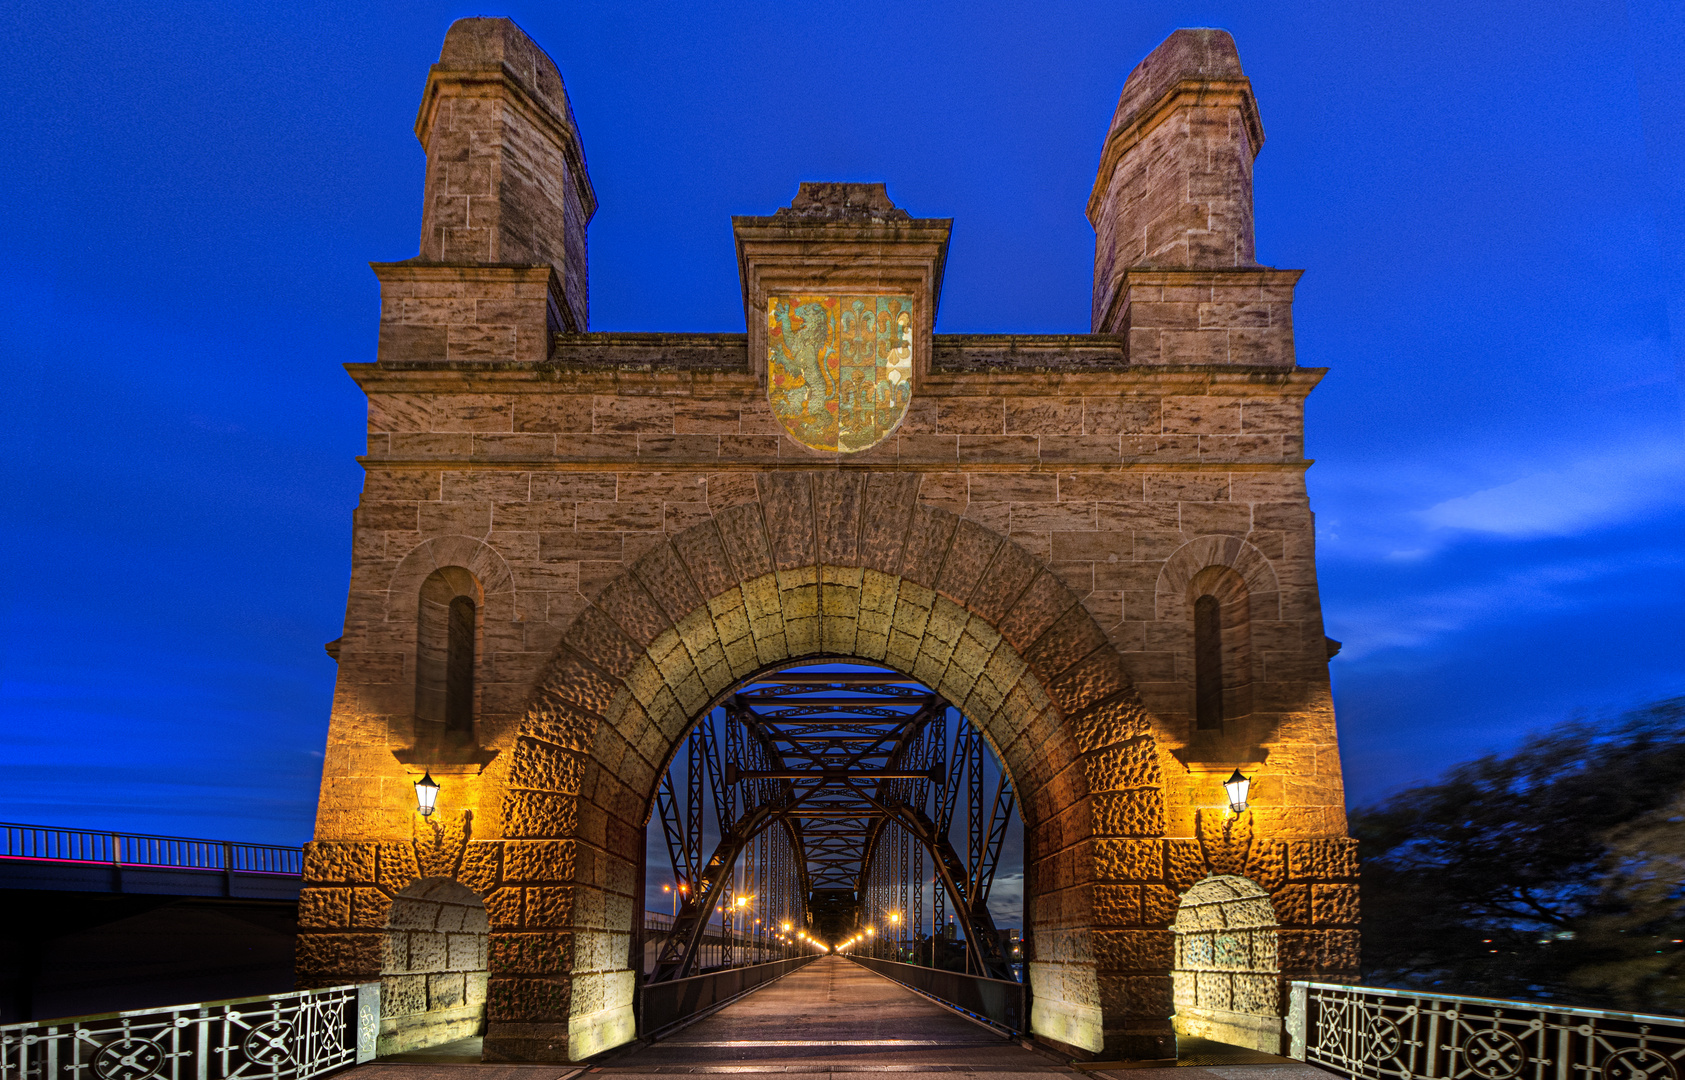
<point x="834" y="1017"/>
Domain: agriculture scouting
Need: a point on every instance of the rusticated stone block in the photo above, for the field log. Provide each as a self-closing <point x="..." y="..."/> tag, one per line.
<point x="1073" y="636"/>
<point x="1096" y="678"/>
<point x="531" y="954"/>
<point x="926" y="547"/>
<point x="545" y="767"/>
<point x="1010" y="572"/>
<point x="332" y="861"/>
<point x="550" y="907"/>
<point x="369" y="908"/>
<point x="1334" y="905"/>
<point x="538" y="861"/>
<point x="598" y="639"/>
<point x="539" y="814"/>
<point x="503" y="908"/>
<point x="1184" y="863"/>
<point x="527" y="999"/>
<point x="1159" y="905"/>
<point x="1292" y="904"/>
<point x="1322" y="860"/>
<point x="662" y="574"/>
<point x="1266" y="863"/>
<point x="787" y="505"/>
<point x="1131" y="765"/>
<point x="969" y="555"/>
<point x="1117" y="951"/>
<point x="1110" y="722"/>
<point x="635" y="613"/>
<point x="396" y="865"/>
<point x="1136" y="996"/>
<point x="704" y="558"/>
<point x="1117" y="905"/>
<point x="482" y="862"/>
<point x="350" y="957"/>
<point x="1129" y="860"/>
<point x="1316" y="952"/>
<point x="1037" y="609"/>
<point x="1225" y="840"/>
<point x="446" y="991"/>
<point x="885" y="514"/>
<point x="573" y="681"/>
<point x="1139" y="812"/>
<point x="326" y="909"/>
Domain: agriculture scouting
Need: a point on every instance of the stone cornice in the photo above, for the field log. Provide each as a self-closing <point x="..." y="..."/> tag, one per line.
<point x="643" y="379"/>
<point x="1186" y="276"/>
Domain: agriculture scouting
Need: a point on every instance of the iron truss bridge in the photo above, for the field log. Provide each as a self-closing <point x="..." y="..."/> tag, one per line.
<point x="803" y="810"/>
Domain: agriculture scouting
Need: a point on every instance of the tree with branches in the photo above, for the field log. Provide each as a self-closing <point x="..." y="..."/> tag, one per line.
<point x="1554" y="872"/>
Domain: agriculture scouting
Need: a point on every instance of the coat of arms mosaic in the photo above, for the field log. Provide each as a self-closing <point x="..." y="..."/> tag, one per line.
<point x="839" y="368"/>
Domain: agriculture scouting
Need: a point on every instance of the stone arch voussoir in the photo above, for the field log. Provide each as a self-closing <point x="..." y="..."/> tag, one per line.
<point x="491" y="572"/>
<point x="1253" y="566"/>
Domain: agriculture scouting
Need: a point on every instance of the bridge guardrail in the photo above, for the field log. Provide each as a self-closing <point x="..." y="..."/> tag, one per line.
<point x="47" y="843"/>
<point x="664" y="1006"/>
<point x="291" y="1036"/>
<point x="996" y="1000"/>
<point x="1376" y="1034"/>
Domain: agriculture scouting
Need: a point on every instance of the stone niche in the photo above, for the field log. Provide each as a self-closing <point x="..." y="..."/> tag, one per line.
<point x="433" y="967"/>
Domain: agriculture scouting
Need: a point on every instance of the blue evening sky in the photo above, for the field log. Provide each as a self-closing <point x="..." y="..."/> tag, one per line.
<point x="1488" y="200"/>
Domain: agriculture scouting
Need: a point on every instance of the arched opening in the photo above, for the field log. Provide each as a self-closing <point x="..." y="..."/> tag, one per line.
<point x="1222" y="654"/>
<point x="1227" y="978"/>
<point x="822" y="566"/>
<point x="433" y="969"/>
<point x="447" y="661"/>
<point x="834" y="804"/>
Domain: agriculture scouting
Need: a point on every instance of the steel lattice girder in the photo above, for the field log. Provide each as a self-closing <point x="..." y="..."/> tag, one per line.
<point x="835" y="756"/>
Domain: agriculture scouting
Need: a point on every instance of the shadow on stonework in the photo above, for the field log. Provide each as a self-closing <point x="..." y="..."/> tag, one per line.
<point x="433" y="971"/>
<point x="1227" y="978"/>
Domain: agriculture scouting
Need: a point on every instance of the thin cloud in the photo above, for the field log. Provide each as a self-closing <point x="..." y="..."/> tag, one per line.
<point x="1589" y="494"/>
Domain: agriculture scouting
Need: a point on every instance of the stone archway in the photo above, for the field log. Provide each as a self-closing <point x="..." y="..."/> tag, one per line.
<point x="848" y="565"/>
<point x="1227" y="976"/>
<point x="433" y="966"/>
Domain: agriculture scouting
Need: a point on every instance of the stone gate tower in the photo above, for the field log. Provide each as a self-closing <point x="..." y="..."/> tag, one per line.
<point x="570" y="544"/>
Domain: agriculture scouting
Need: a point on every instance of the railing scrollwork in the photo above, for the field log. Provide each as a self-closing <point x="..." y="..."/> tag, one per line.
<point x="1374" y="1034"/>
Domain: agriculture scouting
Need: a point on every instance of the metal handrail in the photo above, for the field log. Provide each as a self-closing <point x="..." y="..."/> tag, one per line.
<point x="49" y="844"/>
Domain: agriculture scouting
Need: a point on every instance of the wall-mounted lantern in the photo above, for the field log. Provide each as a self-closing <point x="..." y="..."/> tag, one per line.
<point x="1237" y="786"/>
<point x="426" y="794"/>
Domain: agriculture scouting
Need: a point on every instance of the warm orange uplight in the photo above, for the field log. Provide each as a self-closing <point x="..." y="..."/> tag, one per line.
<point x="784" y="927"/>
<point x="870" y="931"/>
<point x="895" y="916"/>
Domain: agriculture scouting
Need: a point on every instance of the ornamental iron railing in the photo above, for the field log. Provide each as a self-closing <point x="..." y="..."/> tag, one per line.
<point x="280" y="1037"/>
<point x="138" y="849"/>
<point x="1374" y="1034"/>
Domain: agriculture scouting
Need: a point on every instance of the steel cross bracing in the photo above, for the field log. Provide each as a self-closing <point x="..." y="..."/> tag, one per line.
<point x="842" y="774"/>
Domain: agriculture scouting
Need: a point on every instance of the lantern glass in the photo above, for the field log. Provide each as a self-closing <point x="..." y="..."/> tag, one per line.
<point x="1238" y="787"/>
<point x="426" y="794"/>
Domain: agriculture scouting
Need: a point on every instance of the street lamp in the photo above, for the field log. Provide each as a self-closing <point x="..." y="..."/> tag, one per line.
<point x="1237" y="786"/>
<point x="426" y="794"/>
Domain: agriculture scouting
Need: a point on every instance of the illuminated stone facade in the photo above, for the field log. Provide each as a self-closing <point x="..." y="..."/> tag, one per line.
<point x="600" y="534"/>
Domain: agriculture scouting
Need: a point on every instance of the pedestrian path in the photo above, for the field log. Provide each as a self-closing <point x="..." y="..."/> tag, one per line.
<point x="833" y="1018"/>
